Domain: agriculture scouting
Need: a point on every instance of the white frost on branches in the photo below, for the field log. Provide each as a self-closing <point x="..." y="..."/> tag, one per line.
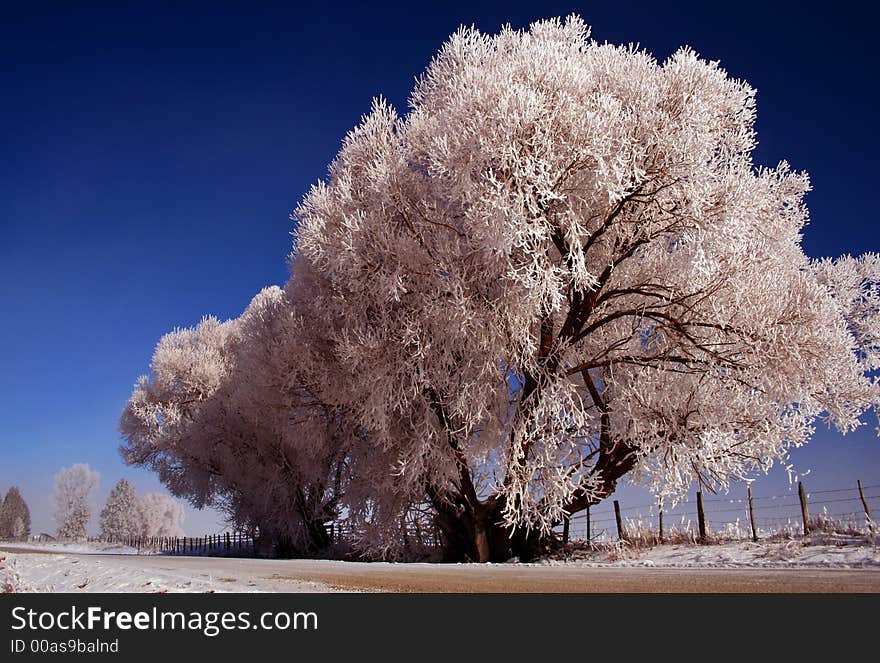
<point x="229" y="420"/>
<point x="855" y="285"/>
<point x="158" y="515"/>
<point x="560" y="268"/>
<point x="562" y="265"/>
<point x="148" y="516"/>
<point x="119" y="518"/>
<point x="71" y="497"/>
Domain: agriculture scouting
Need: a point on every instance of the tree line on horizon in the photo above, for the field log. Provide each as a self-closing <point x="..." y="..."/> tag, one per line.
<point x="124" y="515"/>
<point x="558" y="270"/>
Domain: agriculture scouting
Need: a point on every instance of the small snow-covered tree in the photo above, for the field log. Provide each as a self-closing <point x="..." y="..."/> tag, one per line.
<point x="15" y="517"/>
<point x="120" y="516"/>
<point x="158" y="515"/>
<point x="562" y="267"/>
<point x="71" y="497"/>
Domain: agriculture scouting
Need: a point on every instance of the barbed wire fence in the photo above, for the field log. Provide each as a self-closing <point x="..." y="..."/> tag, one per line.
<point x="846" y="510"/>
<point x="849" y="510"/>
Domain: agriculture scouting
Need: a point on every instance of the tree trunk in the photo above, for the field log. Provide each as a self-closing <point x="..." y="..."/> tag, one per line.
<point x="478" y="535"/>
<point x="482" y="547"/>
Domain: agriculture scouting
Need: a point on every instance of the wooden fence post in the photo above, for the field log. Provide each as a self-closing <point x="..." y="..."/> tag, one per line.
<point x="589" y="534"/>
<point x="701" y="517"/>
<point x="865" y="505"/>
<point x="752" y="516"/>
<point x="805" y="511"/>
<point x="620" y="533"/>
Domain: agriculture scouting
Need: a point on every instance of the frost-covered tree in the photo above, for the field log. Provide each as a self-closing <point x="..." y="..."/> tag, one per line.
<point x="188" y="368"/>
<point x="562" y="267"/>
<point x="227" y="420"/>
<point x="559" y="269"/>
<point x="120" y="516"/>
<point x="158" y="515"/>
<point x="71" y="497"/>
<point x="15" y="517"/>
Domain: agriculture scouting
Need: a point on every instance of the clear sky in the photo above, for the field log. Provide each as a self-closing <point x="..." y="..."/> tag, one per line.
<point x="151" y="153"/>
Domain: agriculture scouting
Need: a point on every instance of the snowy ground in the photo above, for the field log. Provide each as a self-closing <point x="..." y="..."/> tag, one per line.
<point x="88" y="568"/>
<point x="827" y="564"/>
<point x="819" y="551"/>
<point x="67" y="547"/>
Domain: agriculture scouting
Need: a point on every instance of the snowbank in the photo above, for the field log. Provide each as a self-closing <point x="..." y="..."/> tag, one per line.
<point x="53" y="572"/>
<point x="821" y="551"/>
<point x="85" y="547"/>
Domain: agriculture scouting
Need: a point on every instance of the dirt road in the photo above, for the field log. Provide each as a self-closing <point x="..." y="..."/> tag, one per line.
<point x="298" y="575"/>
<point x="522" y="578"/>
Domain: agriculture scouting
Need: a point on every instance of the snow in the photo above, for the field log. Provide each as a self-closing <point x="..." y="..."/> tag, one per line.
<point x="79" y="568"/>
<point x="823" y="551"/>
<point x="86" y="547"/>
<point x="101" y="568"/>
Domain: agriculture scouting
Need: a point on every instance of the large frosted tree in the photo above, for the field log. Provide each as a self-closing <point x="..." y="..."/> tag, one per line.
<point x="562" y="267"/>
<point x="71" y="497"/>
<point x="15" y="517"/>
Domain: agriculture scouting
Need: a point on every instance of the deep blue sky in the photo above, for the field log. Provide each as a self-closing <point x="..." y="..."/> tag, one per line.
<point x="151" y="156"/>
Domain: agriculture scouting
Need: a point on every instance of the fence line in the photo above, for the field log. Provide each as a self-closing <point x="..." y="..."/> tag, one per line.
<point x="757" y="516"/>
